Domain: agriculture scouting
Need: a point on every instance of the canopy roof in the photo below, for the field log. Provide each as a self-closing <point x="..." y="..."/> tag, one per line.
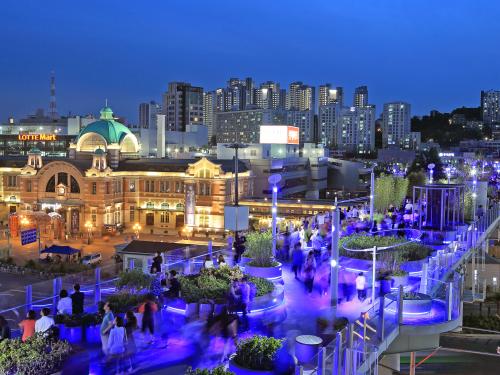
<point x="64" y="250"/>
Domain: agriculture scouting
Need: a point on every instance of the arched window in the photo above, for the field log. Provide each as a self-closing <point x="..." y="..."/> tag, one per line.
<point x="62" y="178"/>
<point x="75" y="188"/>
<point x="180" y="206"/>
<point x="51" y="185"/>
<point x="165" y="206"/>
<point x="91" y="142"/>
<point x="150" y="205"/>
<point x="204" y="173"/>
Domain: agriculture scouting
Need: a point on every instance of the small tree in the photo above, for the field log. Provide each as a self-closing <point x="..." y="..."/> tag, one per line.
<point x="259" y="247"/>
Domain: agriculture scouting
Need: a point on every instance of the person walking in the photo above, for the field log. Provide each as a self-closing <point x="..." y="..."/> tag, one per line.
<point x="117" y="342"/>
<point x="309" y="271"/>
<point x="77" y="299"/>
<point x="297" y="259"/>
<point x="65" y="304"/>
<point x="28" y="325"/>
<point x="130" y="328"/>
<point x="4" y="329"/>
<point x="106" y="325"/>
<point x="360" y="286"/>
<point x="148" y="309"/>
<point x="157" y="262"/>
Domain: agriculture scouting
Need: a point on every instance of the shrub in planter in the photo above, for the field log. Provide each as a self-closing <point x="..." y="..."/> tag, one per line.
<point x="133" y="280"/>
<point x="259" y="247"/>
<point x="257" y="352"/>
<point x="84" y="320"/>
<point x="215" y="371"/>
<point x="123" y="301"/>
<point x="35" y="356"/>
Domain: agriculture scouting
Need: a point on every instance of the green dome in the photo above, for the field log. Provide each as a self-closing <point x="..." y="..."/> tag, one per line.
<point x="112" y="131"/>
<point x="99" y="151"/>
<point x="34" y="151"/>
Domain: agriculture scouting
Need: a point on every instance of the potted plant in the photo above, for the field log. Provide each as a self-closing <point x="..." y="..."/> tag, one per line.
<point x="255" y="355"/>
<point x="260" y="249"/>
<point x="220" y="370"/>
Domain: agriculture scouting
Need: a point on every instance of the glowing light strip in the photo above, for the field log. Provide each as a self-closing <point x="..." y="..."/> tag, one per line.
<point x="409" y="313"/>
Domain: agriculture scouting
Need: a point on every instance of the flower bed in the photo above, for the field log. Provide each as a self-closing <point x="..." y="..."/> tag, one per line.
<point x="211" y="284"/>
<point x="255" y="355"/>
<point x="35" y="356"/>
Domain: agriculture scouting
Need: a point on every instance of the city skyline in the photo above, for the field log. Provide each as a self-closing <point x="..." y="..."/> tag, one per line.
<point x="429" y="62"/>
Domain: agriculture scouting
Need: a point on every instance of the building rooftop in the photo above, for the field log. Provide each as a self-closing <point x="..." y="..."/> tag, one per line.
<point x="112" y="131"/>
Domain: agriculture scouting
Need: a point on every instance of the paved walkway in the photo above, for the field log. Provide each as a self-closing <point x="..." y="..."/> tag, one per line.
<point x="179" y="344"/>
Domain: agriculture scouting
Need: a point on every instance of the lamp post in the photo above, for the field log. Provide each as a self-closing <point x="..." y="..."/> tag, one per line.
<point x="274" y="179"/>
<point x="431" y="167"/>
<point x="372" y="192"/>
<point x="334" y="261"/>
<point x="88" y="225"/>
<point x="137" y="229"/>
<point x="473" y="173"/>
<point x="448" y="174"/>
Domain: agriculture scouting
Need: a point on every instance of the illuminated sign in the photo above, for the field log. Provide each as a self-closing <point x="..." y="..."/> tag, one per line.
<point x="37" y="137"/>
<point x="279" y="134"/>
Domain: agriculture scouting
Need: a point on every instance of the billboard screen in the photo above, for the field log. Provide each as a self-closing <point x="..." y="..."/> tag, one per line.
<point x="279" y="134"/>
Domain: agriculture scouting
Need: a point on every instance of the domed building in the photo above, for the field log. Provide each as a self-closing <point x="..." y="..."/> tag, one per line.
<point x="106" y="134"/>
<point x="104" y="183"/>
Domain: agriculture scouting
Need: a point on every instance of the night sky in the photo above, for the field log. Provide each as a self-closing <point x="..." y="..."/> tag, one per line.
<point x="435" y="54"/>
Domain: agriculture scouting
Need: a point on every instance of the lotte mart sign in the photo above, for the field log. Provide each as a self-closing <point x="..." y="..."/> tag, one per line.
<point x="279" y="134"/>
<point x="37" y="137"/>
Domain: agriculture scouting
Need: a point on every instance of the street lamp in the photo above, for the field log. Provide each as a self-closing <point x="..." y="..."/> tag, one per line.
<point x="372" y="192"/>
<point x="274" y="179"/>
<point x="88" y="225"/>
<point x="137" y="228"/>
<point x="431" y="167"/>
<point x="473" y="173"/>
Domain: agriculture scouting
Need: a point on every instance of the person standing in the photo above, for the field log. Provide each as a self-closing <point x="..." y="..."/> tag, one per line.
<point x="28" y="325"/>
<point x="360" y="286"/>
<point x="117" y="342"/>
<point x="106" y="325"/>
<point x="77" y="299"/>
<point x="148" y="309"/>
<point x="309" y="271"/>
<point x="130" y="327"/>
<point x="297" y="259"/>
<point x="208" y="262"/>
<point x="4" y="329"/>
<point x="157" y="262"/>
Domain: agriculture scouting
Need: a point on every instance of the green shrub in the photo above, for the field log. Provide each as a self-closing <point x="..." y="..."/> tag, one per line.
<point x="36" y="356"/>
<point x="491" y="323"/>
<point x="259" y="247"/>
<point x="123" y="301"/>
<point x="133" y="280"/>
<point x="212" y="284"/>
<point x="215" y="371"/>
<point x="257" y="352"/>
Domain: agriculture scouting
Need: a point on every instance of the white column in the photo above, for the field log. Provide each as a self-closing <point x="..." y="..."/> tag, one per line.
<point x="160" y="136"/>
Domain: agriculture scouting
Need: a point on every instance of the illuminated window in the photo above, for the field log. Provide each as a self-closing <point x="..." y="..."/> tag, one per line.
<point x="94" y="188"/>
<point x="150" y="205"/>
<point x="204" y="173"/>
<point x="131" y="186"/>
<point x="165" y="206"/>
<point x="164" y="217"/>
<point x="28" y="186"/>
<point x="179" y="207"/>
<point x="12" y="181"/>
<point x="132" y="214"/>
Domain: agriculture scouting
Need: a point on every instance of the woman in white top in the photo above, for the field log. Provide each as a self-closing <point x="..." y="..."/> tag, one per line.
<point x="208" y="262"/>
<point x="65" y="304"/>
<point x="117" y="343"/>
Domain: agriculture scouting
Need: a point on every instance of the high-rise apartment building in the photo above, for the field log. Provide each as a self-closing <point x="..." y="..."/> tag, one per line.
<point x="269" y="96"/>
<point x="396" y="123"/>
<point x="182" y="105"/>
<point x="360" y="96"/>
<point x="329" y="123"/>
<point x="301" y="97"/>
<point x="357" y="129"/>
<point x="244" y="126"/>
<point x="304" y="120"/>
<point x="490" y="106"/>
<point x="329" y="95"/>
<point x="147" y="114"/>
<point x="209" y="109"/>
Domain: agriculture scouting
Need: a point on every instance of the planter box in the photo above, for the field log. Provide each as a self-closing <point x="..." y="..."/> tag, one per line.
<point x="238" y="370"/>
<point x="206" y="310"/>
<point x="264" y="272"/>
<point x="192" y="309"/>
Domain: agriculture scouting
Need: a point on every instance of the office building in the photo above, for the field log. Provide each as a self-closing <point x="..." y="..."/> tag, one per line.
<point x="357" y="130"/>
<point x="329" y="121"/>
<point x="360" y="96"/>
<point x="244" y="126"/>
<point x="396" y="124"/>
<point x="329" y="95"/>
<point x="182" y="105"/>
<point x="300" y="97"/>
<point x="147" y="114"/>
<point x="490" y="107"/>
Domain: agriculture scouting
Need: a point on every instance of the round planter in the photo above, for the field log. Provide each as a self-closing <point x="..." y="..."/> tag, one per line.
<point x="420" y="306"/>
<point x="385" y="286"/>
<point x="192" y="309"/>
<point x="238" y="370"/>
<point x="264" y="272"/>
<point x="206" y="310"/>
<point x="399" y="280"/>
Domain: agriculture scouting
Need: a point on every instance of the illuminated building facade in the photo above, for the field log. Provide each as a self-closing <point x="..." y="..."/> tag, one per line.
<point x="106" y="183"/>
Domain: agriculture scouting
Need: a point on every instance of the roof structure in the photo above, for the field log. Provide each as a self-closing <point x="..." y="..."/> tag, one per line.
<point x="112" y="131"/>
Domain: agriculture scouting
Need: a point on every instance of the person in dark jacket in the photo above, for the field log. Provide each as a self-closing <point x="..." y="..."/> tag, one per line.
<point x="77" y="300"/>
<point x="4" y="329"/>
<point x="157" y="262"/>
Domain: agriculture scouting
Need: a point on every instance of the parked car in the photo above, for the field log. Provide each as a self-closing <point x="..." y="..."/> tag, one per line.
<point x="92" y="259"/>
